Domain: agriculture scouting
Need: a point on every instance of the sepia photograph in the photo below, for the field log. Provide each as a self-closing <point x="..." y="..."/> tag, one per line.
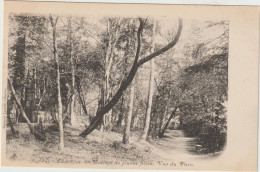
<point x="104" y="90"/>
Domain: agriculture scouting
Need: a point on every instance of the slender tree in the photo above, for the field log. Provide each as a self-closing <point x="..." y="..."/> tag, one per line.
<point x="109" y="58"/>
<point x="56" y="57"/>
<point x="72" y="59"/>
<point x="151" y="90"/>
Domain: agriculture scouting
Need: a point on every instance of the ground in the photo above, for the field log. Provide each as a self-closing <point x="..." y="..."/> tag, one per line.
<point x="100" y="148"/>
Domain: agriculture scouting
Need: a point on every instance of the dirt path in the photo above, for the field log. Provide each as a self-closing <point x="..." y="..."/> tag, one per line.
<point x="175" y="145"/>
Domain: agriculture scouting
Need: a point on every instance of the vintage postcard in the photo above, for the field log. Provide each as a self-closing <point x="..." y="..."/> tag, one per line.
<point x="130" y="86"/>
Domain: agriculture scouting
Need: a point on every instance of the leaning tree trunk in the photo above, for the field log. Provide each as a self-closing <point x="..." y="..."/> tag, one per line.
<point x="38" y="134"/>
<point x="161" y="133"/>
<point x="60" y="119"/>
<point x="125" y="83"/>
<point x="150" y="94"/>
<point x="128" y="117"/>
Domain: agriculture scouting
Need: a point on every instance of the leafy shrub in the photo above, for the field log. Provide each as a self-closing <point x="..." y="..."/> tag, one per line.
<point x="210" y="129"/>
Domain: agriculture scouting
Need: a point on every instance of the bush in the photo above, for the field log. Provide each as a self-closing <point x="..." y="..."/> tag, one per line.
<point x="210" y="129"/>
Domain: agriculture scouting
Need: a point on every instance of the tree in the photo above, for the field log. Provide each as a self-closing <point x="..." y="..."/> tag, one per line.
<point x="127" y="81"/>
<point x="112" y="26"/>
<point x="56" y="57"/>
<point x="151" y="89"/>
<point x="72" y="63"/>
<point x="162" y="131"/>
<point x="203" y="112"/>
<point x="23" y="40"/>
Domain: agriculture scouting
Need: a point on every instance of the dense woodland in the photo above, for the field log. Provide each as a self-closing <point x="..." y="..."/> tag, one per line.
<point x="130" y="76"/>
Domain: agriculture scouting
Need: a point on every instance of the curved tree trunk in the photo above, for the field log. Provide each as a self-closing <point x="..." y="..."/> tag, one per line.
<point x="137" y="63"/>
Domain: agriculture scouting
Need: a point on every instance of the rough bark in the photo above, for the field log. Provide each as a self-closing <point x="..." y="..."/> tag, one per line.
<point x="125" y="83"/>
<point x="150" y="93"/>
<point x="128" y="117"/>
<point x="60" y="119"/>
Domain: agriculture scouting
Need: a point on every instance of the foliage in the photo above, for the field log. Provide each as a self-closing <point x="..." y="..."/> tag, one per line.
<point x="204" y="114"/>
<point x="191" y="79"/>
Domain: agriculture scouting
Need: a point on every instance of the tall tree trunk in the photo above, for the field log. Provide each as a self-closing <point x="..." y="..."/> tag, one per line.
<point x="19" y="61"/>
<point x="108" y="64"/>
<point x="20" y="69"/>
<point x="126" y="82"/>
<point x="128" y="117"/>
<point x="151" y="89"/>
<point x="72" y="108"/>
<point x="60" y="119"/>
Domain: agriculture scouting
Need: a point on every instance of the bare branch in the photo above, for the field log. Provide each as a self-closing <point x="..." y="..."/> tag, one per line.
<point x="53" y="23"/>
<point x="164" y="49"/>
